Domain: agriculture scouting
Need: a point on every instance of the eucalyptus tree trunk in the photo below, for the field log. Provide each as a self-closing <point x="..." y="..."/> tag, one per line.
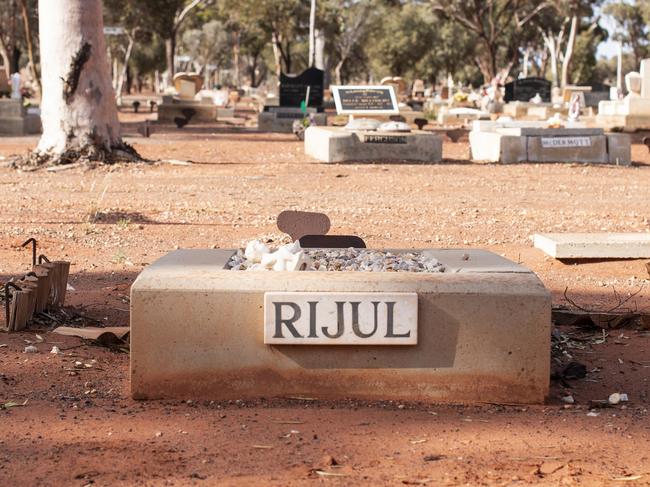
<point x="78" y="109"/>
<point x="568" y="53"/>
<point x="125" y="66"/>
<point x="30" y="48"/>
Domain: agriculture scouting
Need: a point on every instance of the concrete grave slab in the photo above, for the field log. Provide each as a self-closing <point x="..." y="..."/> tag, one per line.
<point x="585" y="149"/>
<point x="198" y="111"/>
<point x="594" y="245"/>
<point x="510" y="142"/>
<point x="483" y="333"/>
<point x="334" y="144"/>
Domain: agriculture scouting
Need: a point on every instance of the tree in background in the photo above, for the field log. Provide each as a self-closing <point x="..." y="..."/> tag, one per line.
<point x="166" y="18"/>
<point x="497" y="27"/>
<point x="209" y="45"/>
<point x="18" y="45"/>
<point x="566" y="30"/>
<point x="285" y="22"/>
<point x="253" y="45"/>
<point x="78" y="108"/>
<point x="413" y="41"/>
<point x="633" y="26"/>
<point x="353" y="21"/>
<point x="364" y="39"/>
<point x="583" y="68"/>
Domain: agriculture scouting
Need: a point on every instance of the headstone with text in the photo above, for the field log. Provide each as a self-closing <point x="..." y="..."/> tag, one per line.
<point x="365" y="100"/>
<point x="293" y="89"/>
<point x="301" y="97"/>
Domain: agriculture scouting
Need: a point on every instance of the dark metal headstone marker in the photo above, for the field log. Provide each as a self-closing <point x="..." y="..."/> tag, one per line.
<point x="331" y="242"/>
<point x="293" y="89"/>
<point x="299" y="223"/>
<point x="526" y="88"/>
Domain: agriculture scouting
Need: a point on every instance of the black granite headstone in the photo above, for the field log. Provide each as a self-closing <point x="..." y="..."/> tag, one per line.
<point x="526" y="88"/>
<point x="293" y="89"/>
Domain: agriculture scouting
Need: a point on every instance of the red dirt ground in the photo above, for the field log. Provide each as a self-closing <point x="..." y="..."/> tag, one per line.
<point x="81" y="427"/>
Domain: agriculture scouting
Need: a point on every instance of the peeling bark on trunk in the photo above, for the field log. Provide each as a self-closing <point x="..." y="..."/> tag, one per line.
<point x="78" y="107"/>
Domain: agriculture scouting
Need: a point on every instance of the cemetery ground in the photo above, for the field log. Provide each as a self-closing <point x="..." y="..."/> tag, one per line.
<point x="79" y="426"/>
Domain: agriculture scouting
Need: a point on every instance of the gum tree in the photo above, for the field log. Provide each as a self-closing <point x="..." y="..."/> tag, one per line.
<point x="496" y="24"/>
<point x="78" y="108"/>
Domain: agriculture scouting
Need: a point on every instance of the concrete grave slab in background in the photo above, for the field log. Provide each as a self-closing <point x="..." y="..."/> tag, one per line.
<point x="511" y="142"/>
<point x="16" y="119"/>
<point x="483" y="333"/>
<point x="334" y="144"/>
<point x="280" y="119"/>
<point x="594" y="245"/>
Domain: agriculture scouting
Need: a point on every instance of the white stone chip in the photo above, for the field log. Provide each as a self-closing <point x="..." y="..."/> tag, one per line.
<point x="255" y="250"/>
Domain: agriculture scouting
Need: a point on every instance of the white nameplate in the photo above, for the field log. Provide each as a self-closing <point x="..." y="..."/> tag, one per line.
<point x="319" y="318"/>
<point x="548" y="142"/>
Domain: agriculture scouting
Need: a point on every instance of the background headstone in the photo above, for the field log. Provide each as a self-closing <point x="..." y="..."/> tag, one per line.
<point x="398" y="84"/>
<point x="15" y="86"/>
<point x="526" y="88"/>
<point x="188" y="84"/>
<point x="365" y="100"/>
<point x="293" y="89"/>
<point x="599" y="92"/>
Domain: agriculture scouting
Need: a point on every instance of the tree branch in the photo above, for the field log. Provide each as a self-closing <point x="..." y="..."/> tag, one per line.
<point x="532" y="14"/>
<point x="188" y="8"/>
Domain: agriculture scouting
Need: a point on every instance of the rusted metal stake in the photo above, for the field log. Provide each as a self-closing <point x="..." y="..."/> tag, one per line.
<point x="31" y="240"/>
